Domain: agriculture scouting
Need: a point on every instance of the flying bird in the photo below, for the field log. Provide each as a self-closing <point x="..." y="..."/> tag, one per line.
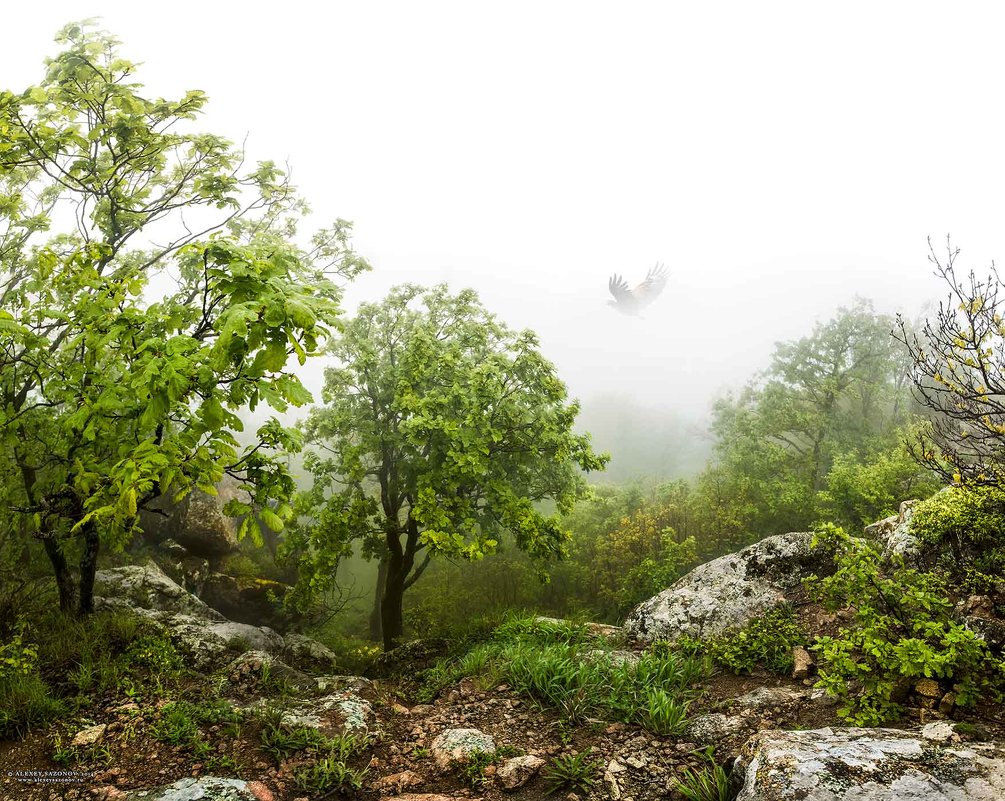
<point x="633" y="301"/>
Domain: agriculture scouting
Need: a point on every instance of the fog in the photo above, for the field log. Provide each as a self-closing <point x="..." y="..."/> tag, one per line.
<point x="779" y="158"/>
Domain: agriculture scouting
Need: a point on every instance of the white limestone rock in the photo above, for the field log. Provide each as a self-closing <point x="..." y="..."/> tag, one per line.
<point x="842" y="764"/>
<point x="455" y="745"/>
<point x="728" y="592"/>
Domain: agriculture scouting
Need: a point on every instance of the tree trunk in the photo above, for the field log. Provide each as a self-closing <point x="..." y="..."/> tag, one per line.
<point x="88" y="567"/>
<point x="378" y="597"/>
<point x="391" y="617"/>
<point x="64" y="578"/>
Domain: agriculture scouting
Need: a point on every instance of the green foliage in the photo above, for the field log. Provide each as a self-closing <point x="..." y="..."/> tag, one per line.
<point x="443" y="431"/>
<point x="111" y="393"/>
<point x="837" y="391"/>
<point x="329" y="773"/>
<point x="26" y="703"/>
<point x="573" y="773"/>
<point x="558" y="666"/>
<point x="180" y="722"/>
<point x="712" y="782"/>
<point x="902" y="630"/>
<point x="472" y="768"/>
<point x="962" y="519"/>
<point x="860" y="491"/>
<point x="767" y="640"/>
<point x="328" y="766"/>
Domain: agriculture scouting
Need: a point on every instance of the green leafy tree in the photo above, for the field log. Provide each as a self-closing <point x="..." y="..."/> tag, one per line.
<point x="442" y="430"/>
<point x="841" y="390"/>
<point x="150" y="290"/>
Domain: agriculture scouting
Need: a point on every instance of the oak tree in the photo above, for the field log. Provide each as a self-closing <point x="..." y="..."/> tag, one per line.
<point x="151" y="288"/>
<point x="442" y="430"/>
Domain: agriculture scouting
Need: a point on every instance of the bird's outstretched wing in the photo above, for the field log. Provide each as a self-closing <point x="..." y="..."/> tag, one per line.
<point x="619" y="288"/>
<point x="650" y="289"/>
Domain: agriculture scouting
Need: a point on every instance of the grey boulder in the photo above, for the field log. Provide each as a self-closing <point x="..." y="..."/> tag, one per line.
<point x="842" y="764"/>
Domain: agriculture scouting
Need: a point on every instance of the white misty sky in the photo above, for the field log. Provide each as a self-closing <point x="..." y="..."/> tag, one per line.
<point x="780" y="158"/>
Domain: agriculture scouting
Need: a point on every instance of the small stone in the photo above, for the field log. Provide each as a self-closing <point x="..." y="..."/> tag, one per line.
<point x="516" y="772"/>
<point x="802" y="662"/>
<point x="397" y="782"/>
<point x="89" y="736"/>
<point x="947" y="703"/>
<point x="637" y="762"/>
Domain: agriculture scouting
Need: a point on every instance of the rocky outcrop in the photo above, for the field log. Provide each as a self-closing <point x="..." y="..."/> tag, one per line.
<point x="196" y="522"/>
<point x="342" y="712"/>
<point x="244" y="599"/>
<point x="838" y="764"/>
<point x="203" y="635"/>
<point x="150" y="588"/>
<point x="729" y="592"/>
<point x="309" y="654"/>
<point x="517" y="771"/>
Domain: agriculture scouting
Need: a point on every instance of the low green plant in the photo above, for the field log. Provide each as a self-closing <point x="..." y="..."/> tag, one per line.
<point x="574" y="773"/>
<point x="155" y="652"/>
<point x="179" y="722"/>
<point x="901" y="630"/>
<point x="767" y="640"/>
<point x="472" y="767"/>
<point x="329" y="773"/>
<point x="711" y="782"/>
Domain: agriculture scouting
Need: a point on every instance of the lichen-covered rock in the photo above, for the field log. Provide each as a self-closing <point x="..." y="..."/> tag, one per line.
<point x="204" y="637"/>
<point x="243" y="637"/>
<point x="868" y="765"/>
<point x="253" y="668"/>
<point x="308" y="654"/>
<point x="206" y="788"/>
<point x="894" y="534"/>
<point x="89" y="736"/>
<point x="149" y="587"/>
<point x="344" y="712"/>
<point x="727" y="593"/>
<point x="615" y="658"/>
<point x="455" y="745"/>
<point x="709" y="729"/>
<point x="770" y="698"/>
<point x="517" y="771"/>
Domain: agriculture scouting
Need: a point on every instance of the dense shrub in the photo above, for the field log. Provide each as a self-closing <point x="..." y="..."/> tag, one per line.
<point x="767" y="640"/>
<point x="901" y="631"/>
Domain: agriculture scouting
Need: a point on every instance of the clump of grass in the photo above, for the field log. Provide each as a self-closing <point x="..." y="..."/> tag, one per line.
<point x="574" y="773"/>
<point x="559" y="665"/>
<point x="26" y="701"/>
<point x="711" y="782"/>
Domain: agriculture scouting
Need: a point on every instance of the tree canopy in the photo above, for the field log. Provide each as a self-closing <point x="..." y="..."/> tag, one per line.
<point x="442" y="430"/>
<point x="151" y="288"/>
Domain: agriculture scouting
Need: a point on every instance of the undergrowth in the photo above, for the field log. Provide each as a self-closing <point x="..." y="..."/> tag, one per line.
<point x="562" y="666"/>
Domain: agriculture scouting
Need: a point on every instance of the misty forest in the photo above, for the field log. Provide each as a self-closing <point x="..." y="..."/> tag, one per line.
<point x="259" y="542"/>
